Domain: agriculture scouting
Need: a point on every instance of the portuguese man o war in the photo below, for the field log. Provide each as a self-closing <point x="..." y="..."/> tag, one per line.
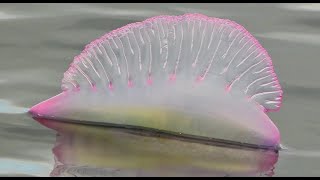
<point x="189" y="75"/>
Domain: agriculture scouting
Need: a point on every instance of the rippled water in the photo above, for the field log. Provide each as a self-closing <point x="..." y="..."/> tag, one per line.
<point x="38" y="41"/>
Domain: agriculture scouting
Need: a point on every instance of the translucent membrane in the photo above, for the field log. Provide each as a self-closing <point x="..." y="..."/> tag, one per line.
<point x="190" y="74"/>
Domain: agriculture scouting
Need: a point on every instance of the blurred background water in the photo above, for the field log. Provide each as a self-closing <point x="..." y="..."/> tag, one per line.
<point x="38" y="42"/>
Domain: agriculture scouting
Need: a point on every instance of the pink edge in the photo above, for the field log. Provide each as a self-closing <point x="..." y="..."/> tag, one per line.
<point x="45" y="107"/>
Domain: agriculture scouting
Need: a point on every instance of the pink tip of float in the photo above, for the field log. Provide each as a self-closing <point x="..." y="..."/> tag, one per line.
<point x="48" y="106"/>
<point x="149" y="80"/>
<point x="76" y="89"/>
<point x="130" y="84"/>
<point x="228" y="88"/>
<point x="199" y="79"/>
<point x="110" y="86"/>
<point x="172" y="77"/>
<point x="94" y="88"/>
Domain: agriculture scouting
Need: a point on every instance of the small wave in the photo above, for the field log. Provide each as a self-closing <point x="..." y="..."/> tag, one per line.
<point x="7" y="107"/>
<point x="7" y="16"/>
<point x="203" y="11"/>
<point x="293" y="37"/>
<point x="291" y="151"/>
<point x="58" y="10"/>
<point x="133" y="14"/>
<point x="2" y="81"/>
<point x="10" y="166"/>
<point x="311" y="7"/>
<point x="303" y="153"/>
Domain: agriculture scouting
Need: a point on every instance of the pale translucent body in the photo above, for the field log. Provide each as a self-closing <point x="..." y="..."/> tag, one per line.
<point x="187" y="74"/>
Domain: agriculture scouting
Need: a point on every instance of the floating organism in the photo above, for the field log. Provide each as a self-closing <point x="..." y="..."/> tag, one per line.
<point x="190" y="75"/>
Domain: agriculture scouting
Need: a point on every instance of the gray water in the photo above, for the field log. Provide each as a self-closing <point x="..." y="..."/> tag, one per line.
<point x="38" y="42"/>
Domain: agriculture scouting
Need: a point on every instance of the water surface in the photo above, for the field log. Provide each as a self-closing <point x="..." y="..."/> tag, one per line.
<point x="38" y="42"/>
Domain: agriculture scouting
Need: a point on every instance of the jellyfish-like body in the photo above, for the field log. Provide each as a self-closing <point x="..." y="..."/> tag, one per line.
<point x="189" y="75"/>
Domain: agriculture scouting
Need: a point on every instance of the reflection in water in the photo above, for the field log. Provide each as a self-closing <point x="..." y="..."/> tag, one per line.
<point x="100" y="151"/>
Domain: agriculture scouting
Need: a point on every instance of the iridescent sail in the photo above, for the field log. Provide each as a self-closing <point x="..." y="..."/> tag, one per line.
<point x="190" y="75"/>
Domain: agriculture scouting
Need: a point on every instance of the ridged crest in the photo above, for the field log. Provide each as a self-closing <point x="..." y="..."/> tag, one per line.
<point x="191" y="46"/>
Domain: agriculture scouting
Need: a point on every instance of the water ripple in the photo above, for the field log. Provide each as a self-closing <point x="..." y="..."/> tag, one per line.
<point x="312" y="7"/>
<point x="309" y="38"/>
<point x="14" y="166"/>
<point x="8" y="108"/>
